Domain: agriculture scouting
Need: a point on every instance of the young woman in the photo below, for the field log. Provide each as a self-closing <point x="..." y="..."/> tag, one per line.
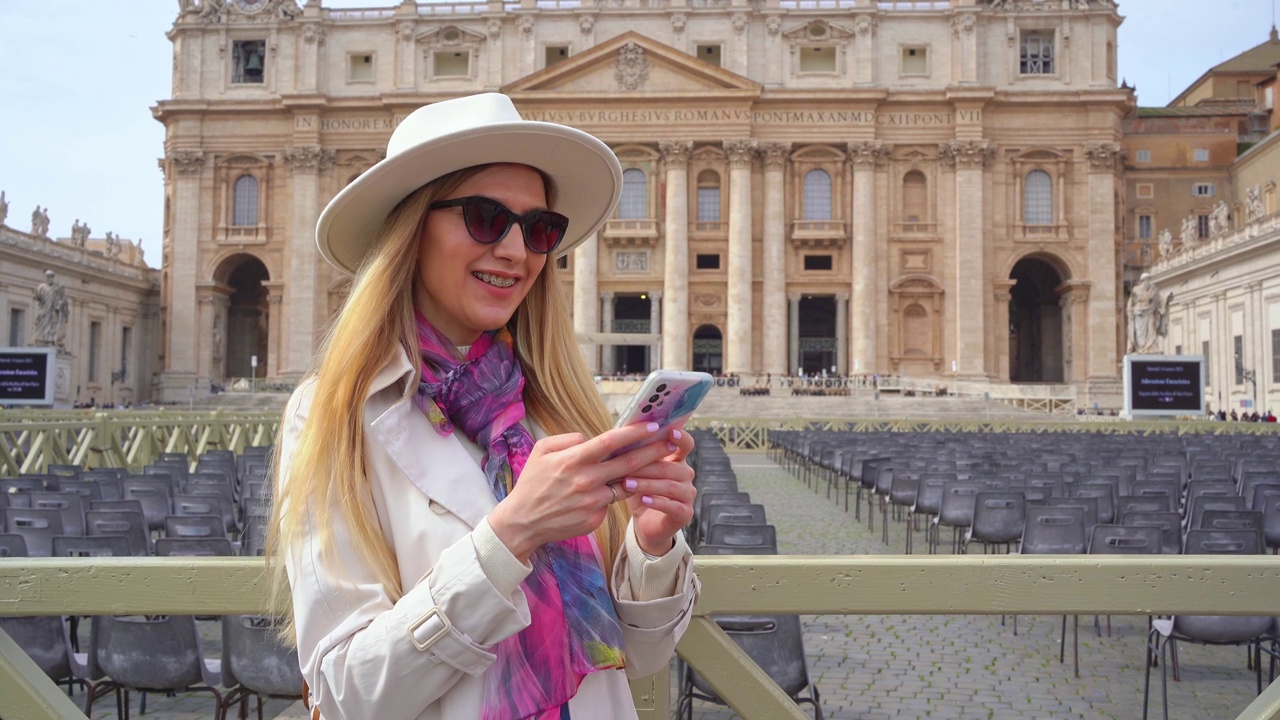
<point x="456" y="541"/>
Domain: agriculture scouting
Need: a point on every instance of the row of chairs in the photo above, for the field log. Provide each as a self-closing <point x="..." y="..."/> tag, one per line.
<point x="726" y="522"/>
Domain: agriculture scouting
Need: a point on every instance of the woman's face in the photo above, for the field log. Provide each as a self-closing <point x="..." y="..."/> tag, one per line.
<point x="465" y="288"/>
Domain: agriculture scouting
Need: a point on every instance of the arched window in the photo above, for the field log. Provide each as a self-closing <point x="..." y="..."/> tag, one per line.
<point x="634" y="204"/>
<point x="1038" y="203"/>
<point x="817" y="195"/>
<point x="915" y="197"/>
<point x="708" y="196"/>
<point x="244" y="206"/>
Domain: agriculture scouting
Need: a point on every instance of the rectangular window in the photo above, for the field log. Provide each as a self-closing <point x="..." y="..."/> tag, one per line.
<point x="708" y="261"/>
<point x="1143" y="156"/>
<point x="360" y="67"/>
<point x="1202" y="155"/>
<point x="17" y="327"/>
<point x="556" y="54"/>
<point x="709" y="54"/>
<point x="915" y="61"/>
<point x="1144" y="227"/>
<point x="818" y="59"/>
<point x="1202" y="227"/>
<point x="1204" y="350"/>
<point x="1177" y="349"/>
<point x="95" y="342"/>
<point x="817" y="262"/>
<point x="452" y="64"/>
<point x="1275" y="356"/>
<point x="1146" y="191"/>
<point x="248" y="61"/>
<point x="562" y="262"/>
<point x="126" y="338"/>
<point x="1202" y="190"/>
<point x="1037" y="53"/>
<point x="1237" y="349"/>
<point x="709" y="204"/>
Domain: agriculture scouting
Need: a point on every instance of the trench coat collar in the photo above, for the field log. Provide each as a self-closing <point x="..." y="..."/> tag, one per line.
<point x="440" y="466"/>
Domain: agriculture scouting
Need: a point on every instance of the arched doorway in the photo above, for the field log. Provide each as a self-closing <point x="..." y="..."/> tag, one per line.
<point x="247" y="316"/>
<point x="632" y="314"/>
<point x="1035" y="323"/>
<point x="708" y="349"/>
<point x="817" y="334"/>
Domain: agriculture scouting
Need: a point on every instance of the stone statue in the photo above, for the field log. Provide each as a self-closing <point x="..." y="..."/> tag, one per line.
<point x="1148" y="315"/>
<point x="1253" y="209"/>
<point x="4" y="208"/>
<point x="1166" y="244"/>
<point x="211" y="11"/>
<point x="52" y="312"/>
<point x="79" y="233"/>
<point x="40" y="222"/>
<point x="113" y="245"/>
<point x="1189" y="232"/>
<point x="1219" y="220"/>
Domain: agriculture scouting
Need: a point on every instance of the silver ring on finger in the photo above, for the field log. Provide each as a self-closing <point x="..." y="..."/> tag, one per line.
<point x="613" y="490"/>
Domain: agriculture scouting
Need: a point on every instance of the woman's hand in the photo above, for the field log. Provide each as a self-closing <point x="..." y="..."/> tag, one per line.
<point x="661" y="496"/>
<point x="565" y="488"/>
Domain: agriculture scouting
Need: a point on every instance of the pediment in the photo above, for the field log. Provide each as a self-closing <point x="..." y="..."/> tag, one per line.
<point x="818" y="32"/>
<point x="449" y="36"/>
<point x="708" y="155"/>
<point x="817" y="153"/>
<point x="634" y="63"/>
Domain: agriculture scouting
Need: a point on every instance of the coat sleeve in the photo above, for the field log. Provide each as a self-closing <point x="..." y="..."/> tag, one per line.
<point x="654" y="600"/>
<point x="364" y="655"/>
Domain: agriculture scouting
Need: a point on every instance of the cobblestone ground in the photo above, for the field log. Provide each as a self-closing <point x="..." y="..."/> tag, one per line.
<point x="948" y="667"/>
<point x="958" y="667"/>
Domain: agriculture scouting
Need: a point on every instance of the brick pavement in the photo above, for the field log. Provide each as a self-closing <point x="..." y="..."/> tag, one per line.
<point x="959" y="667"/>
<point x="945" y="667"/>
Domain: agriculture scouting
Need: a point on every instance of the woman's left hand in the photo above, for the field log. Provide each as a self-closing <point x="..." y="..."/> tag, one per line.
<point x="661" y="496"/>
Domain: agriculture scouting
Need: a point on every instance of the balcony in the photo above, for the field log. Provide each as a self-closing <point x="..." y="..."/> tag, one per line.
<point x="1040" y="233"/>
<point x="243" y="235"/>
<point x="818" y="234"/>
<point x="631" y="233"/>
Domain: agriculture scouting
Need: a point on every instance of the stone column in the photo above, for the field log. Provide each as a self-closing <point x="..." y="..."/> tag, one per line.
<point x="276" y="362"/>
<point x="606" y="325"/>
<point x="1001" y="295"/>
<point x="184" y="170"/>
<point x="864" y="49"/>
<point x="793" y="302"/>
<point x="1074" y="298"/>
<point x="586" y="299"/>
<point x="964" y="28"/>
<point x="313" y="37"/>
<point x="655" y="328"/>
<point x="1105" y="161"/>
<point x="842" y="333"/>
<point x="775" y="258"/>
<point x="969" y="158"/>
<point x="675" y="262"/>
<point x="406" y="60"/>
<point x="305" y="163"/>
<point x="737" y="356"/>
<point x="865" y="156"/>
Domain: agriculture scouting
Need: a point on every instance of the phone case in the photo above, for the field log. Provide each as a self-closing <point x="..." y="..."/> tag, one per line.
<point x="666" y="397"/>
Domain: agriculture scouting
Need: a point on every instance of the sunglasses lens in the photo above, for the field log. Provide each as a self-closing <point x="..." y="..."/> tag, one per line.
<point x="545" y="231"/>
<point x="487" y="221"/>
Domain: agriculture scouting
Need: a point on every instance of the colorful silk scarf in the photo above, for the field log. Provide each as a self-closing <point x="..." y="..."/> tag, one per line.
<point x="573" y="628"/>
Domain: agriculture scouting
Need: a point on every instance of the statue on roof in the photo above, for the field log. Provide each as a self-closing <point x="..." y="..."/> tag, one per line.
<point x="1253" y="208"/>
<point x="4" y="208"/>
<point x="1166" y="244"/>
<point x="1219" y="220"/>
<point x="79" y="233"/>
<point x="1189" y="232"/>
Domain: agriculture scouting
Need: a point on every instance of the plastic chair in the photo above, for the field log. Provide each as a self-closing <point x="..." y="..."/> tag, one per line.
<point x="1208" y="629"/>
<point x="1105" y="495"/>
<point x="46" y="639"/>
<point x="194" y="526"/>
<point x="956" y="510"/>
<point x="255" y="664"/>
<point x="12" y="545"/>
<point x="706" y="500"/>
<point x="128" y="524"/>
<point x="998" y="519"/>
<point x="1125" y="540"/>
<point x="719" y="534"/>
<point x="1143" y="503"/>
<point x="153" y="494"/>
<point x="160" y="654"/>
<point x="1051" y="530"/>
<point x="193" y="547"/>
<point x="69" y="504"/>
<point x="750" y="514"/>
<point x="253" y="540"/>
<point x="1169" y="523"/>
<point x="25" y="484"/>
<point x="37" y="526"/>
<point x="86" y="546"/>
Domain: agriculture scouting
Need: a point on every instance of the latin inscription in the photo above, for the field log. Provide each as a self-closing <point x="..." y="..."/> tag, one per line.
<point x="756" y="117"/>
<point x="358" y="124"/>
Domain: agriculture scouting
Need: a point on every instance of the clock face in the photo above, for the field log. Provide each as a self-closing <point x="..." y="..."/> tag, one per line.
<point x="250" y="6"/>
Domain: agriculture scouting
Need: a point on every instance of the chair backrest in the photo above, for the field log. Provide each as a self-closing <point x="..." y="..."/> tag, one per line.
<point x="157" y="652"/>
<point x="1125" y="540"/>
<point x="126" y="505"/>
<point x="734" y="535"/>
<point x="929" y="491"/>
<point x="153" y="493"/>
<point x="1252" y="479"/>
<point x="1143" y="503"/>
<point x="775" y="642"/>
<point x="95" y="546"/>
<point x="45" y="639"/>
<point x="194" y="547"/>
<point x="1088" y="504"/>
<point x="1202" y="488"/>
<point x="1221" y="542"/>
<point x="12" y="545"/>
<point x="88" y="489"/>
<point x="1231" y="520"/>
<point x="255" y="659"/>
<point x="1257" y="494"/>
<point x="998" y="517"/>
<point x="118" y="522"/>
<point x="1196" y="510"/>
<point x="37" y="526"/>
<point x="226" y="499"/>
<point x="750" y="514"/>
<point x="195" y="526"/>
<point x="26" y="484"/>
<point x="1169" y="523"/>
<point x="107" y="480"/>
<point x="70" y="504"/>
<point x="1269" y="506"/>
<point x="253" y="539"/>
<point x="1054" y="531"/>
<point x="958" y="500"/>
<point x="1105" y="495"/>
<point x="196" y="505"/>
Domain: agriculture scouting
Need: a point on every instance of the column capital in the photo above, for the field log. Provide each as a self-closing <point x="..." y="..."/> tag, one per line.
<point x="675" y="153"/>
<point x="606" y="295"/>
<point x="187" y="162"/>
<point x="868" y="154"/>
<point x="1104" y="157"/>
<point x="842" y="296"/>
<point x="967" y="154"/>
<point x="1002" y="290"/>
<point x="655" y="296"/>
<point x="774" y="154"/>
<point x="794" y="296"/>
<point x="740" y="151"/>
<point x="1073" y="292"/>
<point x="308" y="158"/>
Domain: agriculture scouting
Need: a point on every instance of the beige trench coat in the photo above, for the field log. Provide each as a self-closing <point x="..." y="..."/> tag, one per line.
<point x="424" y="657"/>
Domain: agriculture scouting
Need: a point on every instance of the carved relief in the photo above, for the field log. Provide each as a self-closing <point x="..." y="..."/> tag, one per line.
<point x="187" y="162"/>
<point x="308" y="158"/>
<point x="675" y="153"/>
<point x="865" y="26"/>
<point x="739" y="23"/>
<point x="963" y="24"/>
<point x="314" y="35"/>
<point x="677" y="23"/>
<point x="869" y="154"/>
<point x="708" y="300"/>
<point x="773" y="25"/>
<point x="631" y="69"/>
<point x="494" y="27"/>
<point x="526" y="24"/>
<point x="740" y="151"/>
<point x="774" y="154"/>
<point x="967" y="154"/>
<point x="405" y="31"/>
<point x="586" y="24"/>
<point x="1104" y="157"/>
<point x="631" y="262"/>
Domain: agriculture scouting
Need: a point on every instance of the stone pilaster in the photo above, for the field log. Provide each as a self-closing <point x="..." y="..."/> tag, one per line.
<point x="675" y="264"/>
<point x="655" y="328"/>
<point x="405" y="54"/>
<point x="305" y="163"/>
<point x="970" y="158"/>
<point x="184" y="169"/>
<point x="737" y="356"/>
<point x="586" y="298"/>
<point x="1001" y="295"/>
<point x="964" y="28"/>
<point x="793" y="333"/>
<point x="864" y="48"/>
<point x="842" y="333"/>
<point x="1105" y="161"/>
<point x="866" y="157"/>
<point x="775" y="264"/>
<point x="313" y="39"/>
<point x="606" y="325"/>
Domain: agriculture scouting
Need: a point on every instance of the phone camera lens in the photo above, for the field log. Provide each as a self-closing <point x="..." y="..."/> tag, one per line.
<point x="662" y="387"/>
<point x="666" y="394"/>
<point x="646" y="408"/>
<point x="653" y="398"/>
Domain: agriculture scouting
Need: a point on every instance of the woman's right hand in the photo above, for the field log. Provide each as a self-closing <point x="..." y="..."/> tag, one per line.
<point x="564" y="490"/>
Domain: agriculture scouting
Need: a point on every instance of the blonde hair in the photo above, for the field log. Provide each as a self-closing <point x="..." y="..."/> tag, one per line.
<point x="327" y="471"/>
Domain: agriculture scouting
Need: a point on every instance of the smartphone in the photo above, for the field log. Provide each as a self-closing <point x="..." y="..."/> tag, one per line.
<point x="667" y="397"/>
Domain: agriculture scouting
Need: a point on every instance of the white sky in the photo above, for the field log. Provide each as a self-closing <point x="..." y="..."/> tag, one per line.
<point x="80" y="78"/>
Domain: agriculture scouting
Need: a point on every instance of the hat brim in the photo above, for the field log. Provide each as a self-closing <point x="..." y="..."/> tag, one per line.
<point x="586" y="174"/>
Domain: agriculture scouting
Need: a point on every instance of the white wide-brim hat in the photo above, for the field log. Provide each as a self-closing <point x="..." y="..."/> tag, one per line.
<point x="440" y="138"/>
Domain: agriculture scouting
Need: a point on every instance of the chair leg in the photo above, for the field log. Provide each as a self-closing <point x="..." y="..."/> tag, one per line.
<point x="1164" y="678"/>
<point x="1075" y="642"/>
<point x="1062" y="642"/>
<point x="1146" y="685"/>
